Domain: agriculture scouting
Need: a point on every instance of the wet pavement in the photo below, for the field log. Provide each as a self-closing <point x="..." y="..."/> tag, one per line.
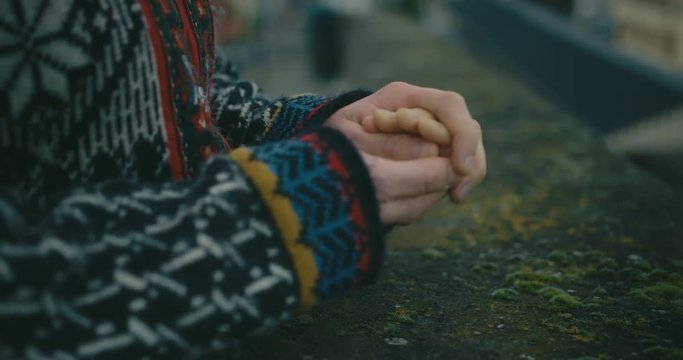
<point x="565" y="251"/>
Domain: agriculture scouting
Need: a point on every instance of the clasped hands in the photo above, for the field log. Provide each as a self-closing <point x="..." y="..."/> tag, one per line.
<point x="419" y="144"/>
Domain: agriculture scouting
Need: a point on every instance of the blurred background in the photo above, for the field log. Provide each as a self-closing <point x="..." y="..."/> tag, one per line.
<point x="617" y="65"/>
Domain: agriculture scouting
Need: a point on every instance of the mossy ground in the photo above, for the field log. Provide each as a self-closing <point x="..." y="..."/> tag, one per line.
<point x="564" y="252"/>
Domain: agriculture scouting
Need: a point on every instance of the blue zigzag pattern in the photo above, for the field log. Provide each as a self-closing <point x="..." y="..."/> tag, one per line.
<point x="293" y="112"/>
<point x="315" y="193"/>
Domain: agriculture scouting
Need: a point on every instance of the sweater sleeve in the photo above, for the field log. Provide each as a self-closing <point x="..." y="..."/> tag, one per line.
<point x="126" y="270"/>
<point x="245" y="116"/>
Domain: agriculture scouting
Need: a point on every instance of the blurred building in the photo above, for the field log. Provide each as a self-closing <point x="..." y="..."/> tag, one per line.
<point x="649" y="28"/>
<point x="653" y="28"/>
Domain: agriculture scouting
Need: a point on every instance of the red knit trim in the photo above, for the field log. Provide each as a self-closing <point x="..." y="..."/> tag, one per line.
<point x="191" y="38"/>
<point x="315" y="110"/>
<point x="310" y="116"/>
<point x="173" y="143"/>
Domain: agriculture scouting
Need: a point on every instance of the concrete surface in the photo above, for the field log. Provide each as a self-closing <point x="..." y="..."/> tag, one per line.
<point x="564" y="252"/>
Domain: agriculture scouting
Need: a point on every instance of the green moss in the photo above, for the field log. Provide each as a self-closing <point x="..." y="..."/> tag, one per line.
<point x="663" y="293"/>
<point x="634" y="274"/>
<point x="550" y="292"/>
<point x="546" y="278"/>
<point x="553" y="326"/>
<point x="657" y="275"/>
<point x="559" y="257"/>
<point x="605" y="274"/>
<point x="660" y="352"/>
<point x="592" y="306"/>
<point x="593" y="256"/>
<point x="575" y="273"/>
<point x="607" y="263"/>
<point x="390" y="330"/>
<point x="528" y="286"/>
<point x="486" y="268"/>
<point x="559" y="298"/>
<point x="562" y="328"/>
<point x="306" y="319"/>
<point x="677" y="306"/>
<point x="599" y="291"/>
<point x="565" y="301"/>
<point x="673" y="354"/>
<point x="647" y="342"/>
<point x="432" y="253"/>
<point x="654" y="352"/>
<point x="504" y="294"/>
<point x="675" y="278"/>
<point x="640" y="295"/>
<point x="638" y="262"/>
<point x="540" y="263"/>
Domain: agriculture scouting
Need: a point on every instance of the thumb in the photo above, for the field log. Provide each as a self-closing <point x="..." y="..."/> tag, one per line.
<point x="404" y="179"/>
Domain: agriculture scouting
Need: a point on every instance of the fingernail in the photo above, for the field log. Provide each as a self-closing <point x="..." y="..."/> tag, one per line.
<point x="384" y="113"/>
<point x="464" y="191"/>
<point x="366" y="122"/>
<point x="469" y="162"/>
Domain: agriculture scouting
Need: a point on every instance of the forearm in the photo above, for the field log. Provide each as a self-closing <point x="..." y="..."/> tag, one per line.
<point x="246" y="117"/>
<point x="131" y="269"/>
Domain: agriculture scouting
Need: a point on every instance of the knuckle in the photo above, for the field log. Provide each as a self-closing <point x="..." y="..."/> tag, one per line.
<point x="476" y="125"/>
<point x="480" y="174"/>
<point x="402" y="113"/>
<point x="398" y="84"/>
<point x="455" y="98"/>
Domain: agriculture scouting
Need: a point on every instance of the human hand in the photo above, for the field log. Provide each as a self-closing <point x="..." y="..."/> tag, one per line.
<point x="409" y="121"/>
<point x="405" y="169"/>
<point x="465" y="150"/>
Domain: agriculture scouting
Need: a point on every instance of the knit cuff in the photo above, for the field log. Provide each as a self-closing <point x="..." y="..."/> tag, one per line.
<point x="294" y="114"/>
<point x="325" y="112"/>
<point x="323" y="201"/>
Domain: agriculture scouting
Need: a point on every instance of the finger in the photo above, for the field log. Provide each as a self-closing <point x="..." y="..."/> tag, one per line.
<point x="420" y="121"/>
<point x="414" y="121"/>
<point x="401" y="179"/>
<point x="408" y="119"/>
<point x="449" y="107"/>
<point x="392" y="146"/>
<point x="369" y="124"/>
<point x="407" y="210"/>
<point x="465" y="144"/>
<point x="433" y="130"/>
<point x="386" y="121"/>
<point x="460" y="192"/>
<point x="396" y="146"/>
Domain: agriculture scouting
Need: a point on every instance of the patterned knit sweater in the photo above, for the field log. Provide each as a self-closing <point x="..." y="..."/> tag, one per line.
<point x="129" y="227"/>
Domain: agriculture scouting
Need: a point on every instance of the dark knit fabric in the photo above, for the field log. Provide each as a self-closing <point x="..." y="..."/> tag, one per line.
<point x="128" y="226"/>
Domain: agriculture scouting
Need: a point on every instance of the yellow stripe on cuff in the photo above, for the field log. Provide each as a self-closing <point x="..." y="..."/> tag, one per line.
<point x="287" y="222"/>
